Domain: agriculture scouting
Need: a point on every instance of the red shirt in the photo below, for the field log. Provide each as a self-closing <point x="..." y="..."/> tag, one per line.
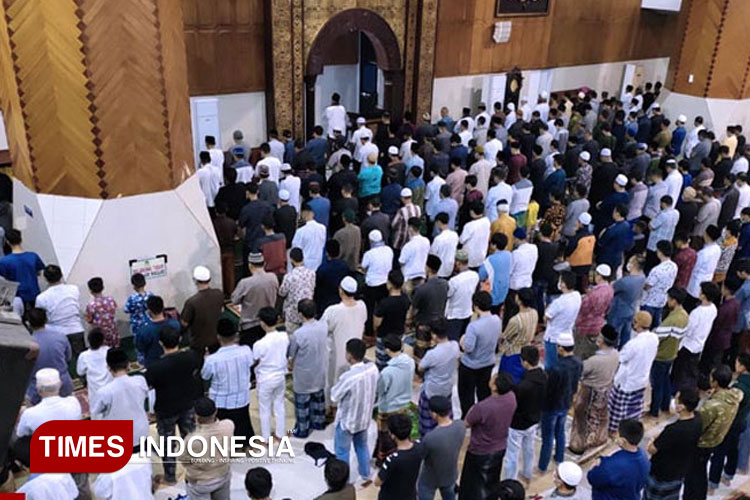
<point x="685" y="260"/>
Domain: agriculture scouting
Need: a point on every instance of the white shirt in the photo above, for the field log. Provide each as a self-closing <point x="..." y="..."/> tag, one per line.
<point x="413" y="257"/>
<point x="208" y="178"/>
<point x="743" y="200"/>
<point x="740" y="165"/>
<point x="274" y="167"/>
<point x="311" y="238"/>
<point x="122" y="399"/>
<point x="49" y="408"/>
<point x="245" y="174"/>
<point x="377" y="262"/>
<point x="636" y="358"/>
<point x="217" y="157"/>
<point x="692" y="140"/>
<point x="270" y="351"/>
<point x="482" y="169"/>
<point x="475" y="238"/>
<point x="521" y="198"/>
<point x="344" y="323"/>
<point x="705" y="265"/>
<point x="132" y="481"/>
<point x="465" y="136"/>
<point x="469" y="121"/>
<point x="432" y="196"/>
<point x="292" y="184"/>
<point x="561" y="315"/>
<point x="405" y="151"/>
<point x="522" y="267"/>
<point x="501" y="191"/>
<point x="51" y="487"/>
<point x="700" y="321"/>
<point x="543" y="108"/>
<point x="335" y="118"/>
<point x="93" y="365"/>
<point x="674" y="186"/>
<point x="365" y="151"/>
<point x="491" y="149"/>
<point x="277" y="149"/>
<point x="444" y="246"/>
<point x="357" y="139"/>
<point x="461" y="290"/>
<point x="62" y="306"/>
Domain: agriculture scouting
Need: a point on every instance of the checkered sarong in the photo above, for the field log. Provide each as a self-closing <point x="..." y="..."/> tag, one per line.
<point x="426" y="423"/>
<point x="310" y="412"/>
<point x="624" y="405"/>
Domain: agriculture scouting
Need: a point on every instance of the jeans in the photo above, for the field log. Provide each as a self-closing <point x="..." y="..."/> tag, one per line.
<point x="540" y="291"/>
<point x="215" y="489"/>
<point x="550" y="355"/>
<point x="622" y="327"/>
<point x="342" y="442"/>
<point x="165" y="426"/>
<point x="553" y="428"/>
<point x="271" y="393"/>
<point x="727" y="450"/>
<point x="426" y="491"/>
<point x="661" y="387"/>
<point x="655" y="313"/>
<point x="470" y="382"/>
<point x="520" y="444"/>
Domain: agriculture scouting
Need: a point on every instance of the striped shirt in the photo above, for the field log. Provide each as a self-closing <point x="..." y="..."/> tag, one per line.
<point x="354" y="394"/>
<point x="228" y="369"/>
<point x="400" y="223"/>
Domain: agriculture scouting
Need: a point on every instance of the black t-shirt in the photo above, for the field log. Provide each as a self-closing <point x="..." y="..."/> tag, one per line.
<point x="399" y="474"/>
<point x="174" y="378"/>
<point x="393" y="310"/>
<point x="675" y="446"/>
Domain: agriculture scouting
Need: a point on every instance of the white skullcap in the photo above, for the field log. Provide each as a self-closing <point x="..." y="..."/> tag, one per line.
<point x="503" y="207"/>
<point x="375" y="236"/>
<point x="682" y="118"/>
<point x="621" y="180"/>
<point x="349" y="284"/>
<point x="406" y="193"/>
<point x="585" y="155"/>
<point x="581" y="95"/>
<point x="47" y="377"/>
<point x="284" y="195"/>
<point x="361" y="120"/>
<point x="604" y="270"/>
<point x="201" y="273"/>
<point x="570" y="473"/>
<point x="511" y="106"/>
<point x="606" y="152"/>
<point x="393" y="150"/>
<point x="544" y="94"/>
<point x="565" y="339"/>
<point x="285" y="167"/>
<point x="585" y="218"/>
<point x="656" y="105"/>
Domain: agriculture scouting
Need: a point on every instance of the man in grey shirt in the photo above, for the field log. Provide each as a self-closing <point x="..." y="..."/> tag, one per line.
<point x="308" y="350"/>
<point x="574" y="210"/>
<point x="437" y="368"/>
<point x="441" y="449"/>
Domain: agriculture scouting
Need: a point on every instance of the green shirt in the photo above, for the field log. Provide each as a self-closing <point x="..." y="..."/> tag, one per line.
<point x="670" y="332"/>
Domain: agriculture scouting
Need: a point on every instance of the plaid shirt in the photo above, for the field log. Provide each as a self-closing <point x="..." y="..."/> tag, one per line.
<point x="401" y="223"/>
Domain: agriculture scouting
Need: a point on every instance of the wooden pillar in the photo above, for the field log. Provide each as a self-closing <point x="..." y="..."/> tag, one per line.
<point x="95" y="95"/>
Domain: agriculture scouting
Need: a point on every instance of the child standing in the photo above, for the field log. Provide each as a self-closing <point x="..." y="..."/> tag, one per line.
<point x="92" y="364"/>
<point x="100" y="312"/>
<point x="135" y="306"/>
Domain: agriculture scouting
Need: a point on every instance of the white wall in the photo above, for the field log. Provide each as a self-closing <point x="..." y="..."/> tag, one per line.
<point x="3" y="136"/>
<point x="341" y="78"/>
<point x="717" y="113"/>
<point x="459" y="91"/>
<point x="667" y="5"/>
<point x="246" y="112"/>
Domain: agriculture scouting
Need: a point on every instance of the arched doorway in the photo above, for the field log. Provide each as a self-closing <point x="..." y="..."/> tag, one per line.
<point x="378" y="47"/>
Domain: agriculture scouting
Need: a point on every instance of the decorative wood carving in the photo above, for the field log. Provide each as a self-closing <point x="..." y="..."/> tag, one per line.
<point x="426" y="51"/>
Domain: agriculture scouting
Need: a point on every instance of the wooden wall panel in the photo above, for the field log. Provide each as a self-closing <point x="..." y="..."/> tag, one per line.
<point x="698" y="46"/>
<point x="225" y="45"/>
<point x="732" y="54"/>
<point x="575" y="32"/>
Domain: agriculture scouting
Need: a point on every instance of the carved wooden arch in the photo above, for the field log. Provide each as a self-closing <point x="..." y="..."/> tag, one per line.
<point x="370" y="23"/>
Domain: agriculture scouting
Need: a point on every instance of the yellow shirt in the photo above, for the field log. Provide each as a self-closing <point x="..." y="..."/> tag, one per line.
<point x="504" y="224"/>
<point x="532" y="214"/>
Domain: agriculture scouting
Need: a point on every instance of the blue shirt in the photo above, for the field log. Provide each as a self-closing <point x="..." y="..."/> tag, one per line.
<point x="461" y="152"/>
<point x="743" y="244"/>
<point x="613" y="243"/>
<point x="317" y="149"/>
<point x="321" y="207"/>
<point x="500" y="262"/>
<point x="288" y="152"/>
<point x="678" y="135"/>
<point x="23" y="268"/>
<point x="555" y="182"/>
<point x="743" y="297"/>
<point x="54" y="352"/>
<point x="628" y="290"/>
<point x="610" y="482"/>
<point x="147" y="339"/>
<point x="369" y="180"/>
<point x="136" y="307"/>
<point x="390" y="199"/>
<point x="480" y="342"/>
<point x="450" y="207"/>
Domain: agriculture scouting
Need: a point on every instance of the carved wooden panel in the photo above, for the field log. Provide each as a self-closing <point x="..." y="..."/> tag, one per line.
<point x="732" y="53"/>
<point x="47" y="64"/>
<point x="281" y="35"/>
<point x="426" y="57"/>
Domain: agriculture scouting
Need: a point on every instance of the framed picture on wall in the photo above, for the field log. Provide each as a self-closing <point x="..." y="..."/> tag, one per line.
<point x="522" y="8"/>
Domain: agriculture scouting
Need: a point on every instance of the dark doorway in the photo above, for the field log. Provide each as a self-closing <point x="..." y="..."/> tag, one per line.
<point x="368" y="78"/>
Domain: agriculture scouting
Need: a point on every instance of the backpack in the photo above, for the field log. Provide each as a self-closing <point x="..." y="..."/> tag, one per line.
<point x="317" y="451"/>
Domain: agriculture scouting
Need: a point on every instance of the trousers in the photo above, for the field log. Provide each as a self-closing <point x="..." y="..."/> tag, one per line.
<point x="166" y="426"/>
<point x="271" y="394"/>
<point x="472" y="382"/>
<point x="520" y="445"/>
<point x="216" y="489"/>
